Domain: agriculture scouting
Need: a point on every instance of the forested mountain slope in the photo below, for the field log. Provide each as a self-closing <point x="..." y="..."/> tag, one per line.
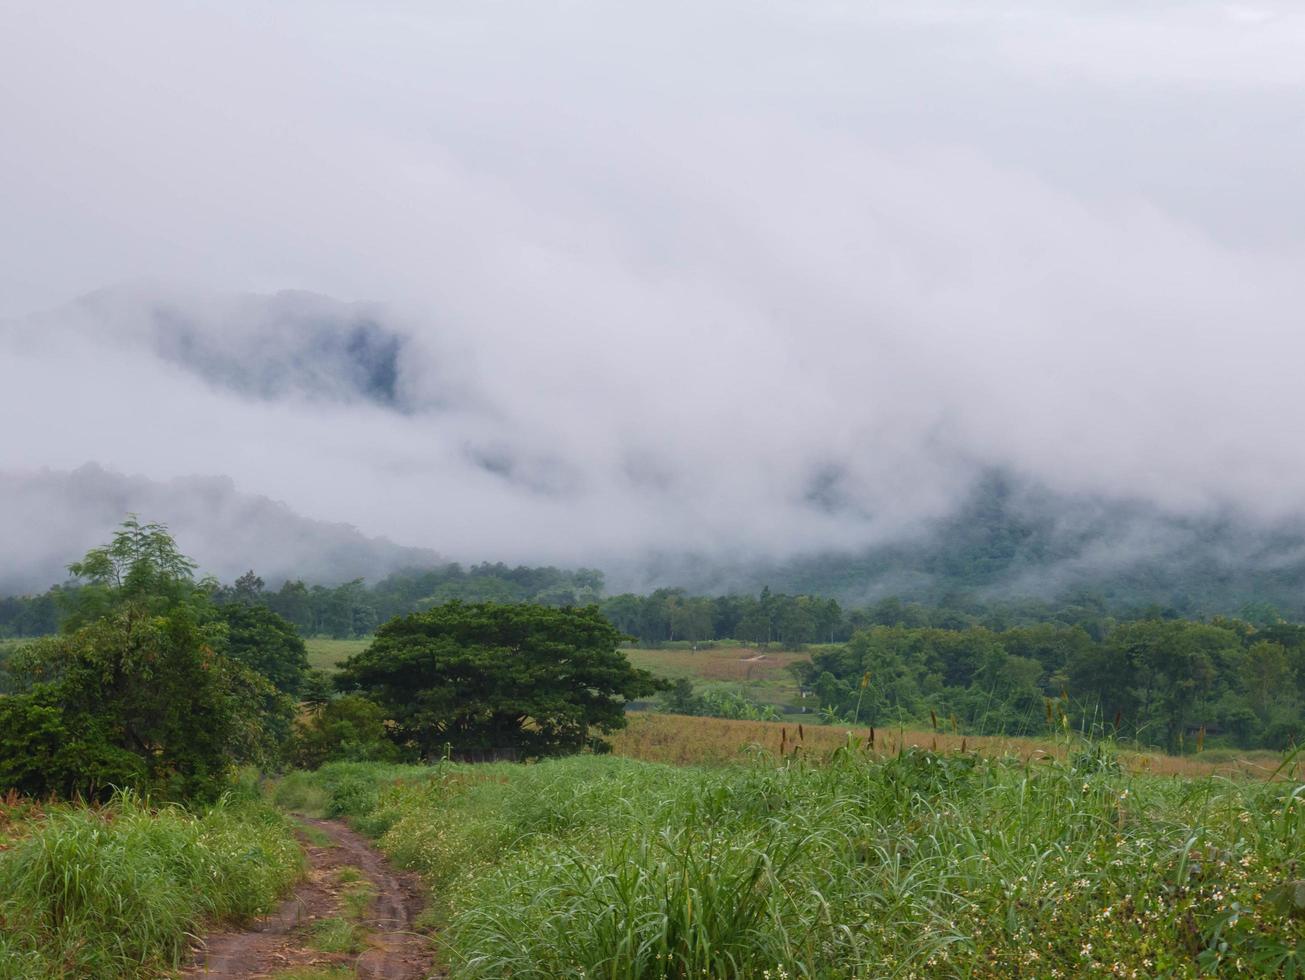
<point x="1012" y="540"/>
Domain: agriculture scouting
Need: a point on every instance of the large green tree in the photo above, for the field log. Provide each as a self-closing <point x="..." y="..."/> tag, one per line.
<point x="530" y="678"/>
<point x="135" y="691"/>
<point x="266" y="642"/>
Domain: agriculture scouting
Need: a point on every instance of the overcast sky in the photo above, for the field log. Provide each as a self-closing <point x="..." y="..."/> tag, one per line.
<point x="715" y="275"/>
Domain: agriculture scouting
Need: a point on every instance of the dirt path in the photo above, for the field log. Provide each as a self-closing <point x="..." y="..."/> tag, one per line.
<point x="352" y="912"/>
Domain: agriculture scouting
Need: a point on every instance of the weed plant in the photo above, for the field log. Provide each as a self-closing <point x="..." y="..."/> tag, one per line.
<point x="336" y="935"/>
<point x="919" y="864"/>
<point x="121" y="890"/>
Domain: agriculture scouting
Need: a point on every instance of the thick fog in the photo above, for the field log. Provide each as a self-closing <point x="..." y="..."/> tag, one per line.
<point x="574" y="282"/>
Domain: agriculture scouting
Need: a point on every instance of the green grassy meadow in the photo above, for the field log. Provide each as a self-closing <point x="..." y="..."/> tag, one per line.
<point x="759" y="674"/>
<point x="327" y="654"/>
<point x="919" y="864"/>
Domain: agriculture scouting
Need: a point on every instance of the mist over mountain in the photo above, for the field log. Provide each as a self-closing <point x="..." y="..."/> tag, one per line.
<point x="1013" y="540"/>
<point x="259" y="369"/>
<point x="687" y="293"/>
<point x="288" y="344"/>
<point x="49" y="519"/>
<point x="1008" y="540"/>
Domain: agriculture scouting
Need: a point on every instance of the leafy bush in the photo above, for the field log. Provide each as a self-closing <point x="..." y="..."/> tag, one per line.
<point x="40" y="755"/>
<point x="267" y="643"/>
<point x="349" y="728"/>
<point x="486" y="677"/>
<point x="133" y="692"/>
<point x="680" y="699"/>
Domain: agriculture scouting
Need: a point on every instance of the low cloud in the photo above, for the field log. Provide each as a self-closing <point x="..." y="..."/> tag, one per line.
<point x="744" y="281"/>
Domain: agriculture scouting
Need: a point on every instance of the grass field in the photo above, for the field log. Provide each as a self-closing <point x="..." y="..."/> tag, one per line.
<point x="120" y="891"/>
<point x="914" y="864"/>
<point x="762" y="675"/>
<point x="325" y="654"/>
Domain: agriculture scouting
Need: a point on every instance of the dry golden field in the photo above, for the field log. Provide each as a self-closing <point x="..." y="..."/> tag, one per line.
<point x="683" y="740"/>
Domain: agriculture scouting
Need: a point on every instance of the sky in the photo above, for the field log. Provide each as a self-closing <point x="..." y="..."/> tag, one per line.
<point x="765" y="277"/>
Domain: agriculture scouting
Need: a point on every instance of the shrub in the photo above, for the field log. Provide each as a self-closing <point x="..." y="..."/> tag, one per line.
<point x="349" y="728"/>
<point x="40" y="755"/>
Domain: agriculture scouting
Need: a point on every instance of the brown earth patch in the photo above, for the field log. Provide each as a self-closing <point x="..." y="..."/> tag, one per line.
<point x="392" y="948"/>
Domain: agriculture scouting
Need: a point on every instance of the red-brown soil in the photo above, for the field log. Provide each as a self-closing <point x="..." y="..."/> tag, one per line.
<point x="394" y="950"/>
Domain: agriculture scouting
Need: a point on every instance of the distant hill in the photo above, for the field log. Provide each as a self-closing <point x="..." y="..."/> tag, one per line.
<point x="300" y="352"/>
<point x="1015" y="540"/>
<point x="226" y="531"/>
<point x="1008" y="541"/>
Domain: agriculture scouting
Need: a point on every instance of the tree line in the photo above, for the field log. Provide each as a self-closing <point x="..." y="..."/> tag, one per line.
<point x="166" y="684"/>
<point x="667" y="615"/>
<point x="1166" y="682"/>
<point x="348" y="610"/>
<point x="987" y="667"/>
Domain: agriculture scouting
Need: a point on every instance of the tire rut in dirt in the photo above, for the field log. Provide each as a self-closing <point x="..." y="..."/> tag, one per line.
<point x="279" y="941"/>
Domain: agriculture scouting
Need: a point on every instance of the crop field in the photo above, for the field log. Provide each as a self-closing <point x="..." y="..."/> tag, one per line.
<point x="682" y="740"/>
<point x="911" y="864"/>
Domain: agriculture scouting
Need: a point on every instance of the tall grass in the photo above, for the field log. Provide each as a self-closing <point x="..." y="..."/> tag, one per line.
<point x="920" y="864"/>
<point x="684" y="740"/>
<point x="119" y="891"/>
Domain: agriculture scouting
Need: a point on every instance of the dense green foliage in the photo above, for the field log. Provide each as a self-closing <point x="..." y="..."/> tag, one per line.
<point x="115" y="892"/>
<point x="681" y="699"/>
<point x="672" y="614"/>
<point x="1164" y="682"/>
<point x="348" y="727"/>
<point x="46" y="750"/>
<point x="914" y="865"/>
<point x="351" y="609"/>
<point x="493" y="676"/>
<point x="266" y="643"/>
<point x="354" y="609"/>
<point x="793" y="621"/>
<point x="137" y="690"/>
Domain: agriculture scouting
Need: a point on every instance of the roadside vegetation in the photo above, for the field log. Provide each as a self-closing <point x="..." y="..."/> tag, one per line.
<point x="140" y="712"/>
<point x="119" y="890"/>
<point x="915" y="863"/>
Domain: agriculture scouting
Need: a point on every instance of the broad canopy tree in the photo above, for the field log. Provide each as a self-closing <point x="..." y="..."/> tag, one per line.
<point x="485" y="676"/>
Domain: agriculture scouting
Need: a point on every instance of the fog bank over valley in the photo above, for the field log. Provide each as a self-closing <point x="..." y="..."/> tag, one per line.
<point x="689" y="294"/>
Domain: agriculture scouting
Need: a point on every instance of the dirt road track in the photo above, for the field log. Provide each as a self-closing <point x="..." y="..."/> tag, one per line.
<point x="279" y="942"/>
